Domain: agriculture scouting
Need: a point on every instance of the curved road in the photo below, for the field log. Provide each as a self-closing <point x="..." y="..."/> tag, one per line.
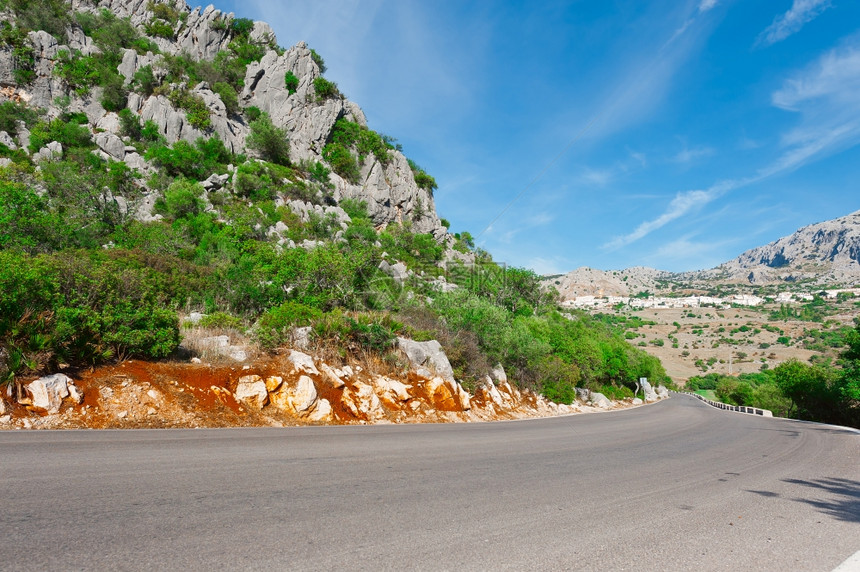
<point x="673" y="486"/>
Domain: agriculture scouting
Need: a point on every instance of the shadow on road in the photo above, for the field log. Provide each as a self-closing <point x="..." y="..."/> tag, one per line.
<point x="846" y="505"/>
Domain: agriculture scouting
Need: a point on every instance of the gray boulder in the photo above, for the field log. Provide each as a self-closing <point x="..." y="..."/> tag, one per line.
<point x="53" y="151"/>
<point x="429" y="354"/>
<point x="397" y="271"/>
<point x="600" y="400"/>
<point x="48" y="392"/>
<point x="7" y="140"/>
<point x="647" y="390"/>
<point x="111" y="144"/>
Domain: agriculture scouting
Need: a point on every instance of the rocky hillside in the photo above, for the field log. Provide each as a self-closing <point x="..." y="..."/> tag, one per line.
<point x="161" y="80"/>
<point x="825" y="252"/>
<point x="177" y="187"/>
<point x="586" y="281"/>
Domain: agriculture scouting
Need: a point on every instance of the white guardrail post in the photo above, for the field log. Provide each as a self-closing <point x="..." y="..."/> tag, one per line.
<point x="726" y="407"/>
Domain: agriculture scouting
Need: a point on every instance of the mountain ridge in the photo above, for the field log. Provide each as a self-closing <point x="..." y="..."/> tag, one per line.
<point x="818" y="254"/>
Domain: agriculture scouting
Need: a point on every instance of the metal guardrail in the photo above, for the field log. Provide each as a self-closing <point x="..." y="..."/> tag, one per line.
<point x="727" y="407"/>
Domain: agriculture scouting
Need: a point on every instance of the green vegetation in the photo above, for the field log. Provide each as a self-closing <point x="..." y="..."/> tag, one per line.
<point x="815" y="392"/>
<point x="268" y="141"/>
<point x="325" y="89"/>
<point x="291" y="82"/>
<point x="83" y="281"/>
<point x="318" y="59"/>
<point x="422" y="179"/>
<point x="23" y="56"/>
<point x="348" y="146"/>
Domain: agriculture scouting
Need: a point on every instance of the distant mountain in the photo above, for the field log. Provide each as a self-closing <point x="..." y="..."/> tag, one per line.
<point x="825" y="252"/>
<point x="586" y="281"/>
<point x="822" y="253"/>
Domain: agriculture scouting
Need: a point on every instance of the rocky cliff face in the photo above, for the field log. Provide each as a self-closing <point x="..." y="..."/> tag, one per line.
<point x="827" y="252"/>
<point x="389" y="189"/>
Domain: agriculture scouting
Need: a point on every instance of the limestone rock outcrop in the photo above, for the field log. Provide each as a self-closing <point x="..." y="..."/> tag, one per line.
<point x="48" y="392"/>
<point x="427" y="354"/>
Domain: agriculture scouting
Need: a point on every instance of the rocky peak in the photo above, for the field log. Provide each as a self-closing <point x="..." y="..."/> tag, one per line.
<point x="829" y="251"/>
<point x="389" y="189"/>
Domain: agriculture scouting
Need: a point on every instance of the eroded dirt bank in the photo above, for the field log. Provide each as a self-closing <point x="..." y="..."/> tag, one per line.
<point x="290" y="389"/>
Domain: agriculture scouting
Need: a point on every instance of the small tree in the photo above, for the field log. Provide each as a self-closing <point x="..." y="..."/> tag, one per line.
<point x="291" y="82"/>
<point x="270" y="142"/>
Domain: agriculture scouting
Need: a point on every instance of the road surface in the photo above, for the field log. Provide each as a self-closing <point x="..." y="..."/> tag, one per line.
<point x="672" y="486"/>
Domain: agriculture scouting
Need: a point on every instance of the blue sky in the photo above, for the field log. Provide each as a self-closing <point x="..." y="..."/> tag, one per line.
<point x="606" y="133"/>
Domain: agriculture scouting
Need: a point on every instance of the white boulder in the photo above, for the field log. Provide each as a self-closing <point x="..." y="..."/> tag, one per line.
<point x="302" y="362"/>
<point x="48" y="392"/>
<point x="251" y="390"/>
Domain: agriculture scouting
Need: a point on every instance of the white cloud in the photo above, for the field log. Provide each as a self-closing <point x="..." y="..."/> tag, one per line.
<point x="835" y="76"/>
<point x="682" y="204"/>
<point x="599" y="177"/>
<point x="783" y="26"/>
<point x="639" y="158"/>
<point x="825" y="94"/>
<point x="686" y="155"/>
<point x="706" y="5"/>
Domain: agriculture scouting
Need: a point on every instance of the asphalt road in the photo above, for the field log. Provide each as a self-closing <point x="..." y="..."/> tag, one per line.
<point x="671" y="486"/>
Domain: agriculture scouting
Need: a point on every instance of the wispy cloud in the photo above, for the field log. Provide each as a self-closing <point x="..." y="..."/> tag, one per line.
<point x="645" y="80"/>
<point x="784" y="25"/>
<point x="598" y="177"/>
<point x="682" y="204"/>
<point x="825" y="96"/>
<point x="706" y="5"/>
<point x="639" y="158"/>
<point x="687" y="154"/>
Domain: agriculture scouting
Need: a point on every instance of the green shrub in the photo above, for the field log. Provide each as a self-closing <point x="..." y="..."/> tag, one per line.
<point x="221" y="320"/>
<point x="182" y="199"/>
<point x="114" y="94"/>
<point x="63" y="129"/>
<point x="23" y="56"/>
<point x="342" y="161"/>
<point x="26" y="221"/>
<point x="52" y="16"/>
<point x="78" y="71"/>
<point x="129" y="124"/>
<point x="269" y="141"/>
<point x="273" y="327"/>
<point x="325" y="89"/>
<point x="228" y="96"/>
<point x="615" y="392"/>
<point x="11" y="113"/>
<point x="247" y="51"/>
<point x="144" y="81"/>
<point x="318" y="59"/>
<point x="253" y="113"/>
<point x="159" y="29"/>
<point x="196" y="161"/>
<point x="356" y="209"/>
<point x="422" y="179"/>
<point x="194" y="105"/>
<point x="241" y="26"/>
<point x="291" y="82"/>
